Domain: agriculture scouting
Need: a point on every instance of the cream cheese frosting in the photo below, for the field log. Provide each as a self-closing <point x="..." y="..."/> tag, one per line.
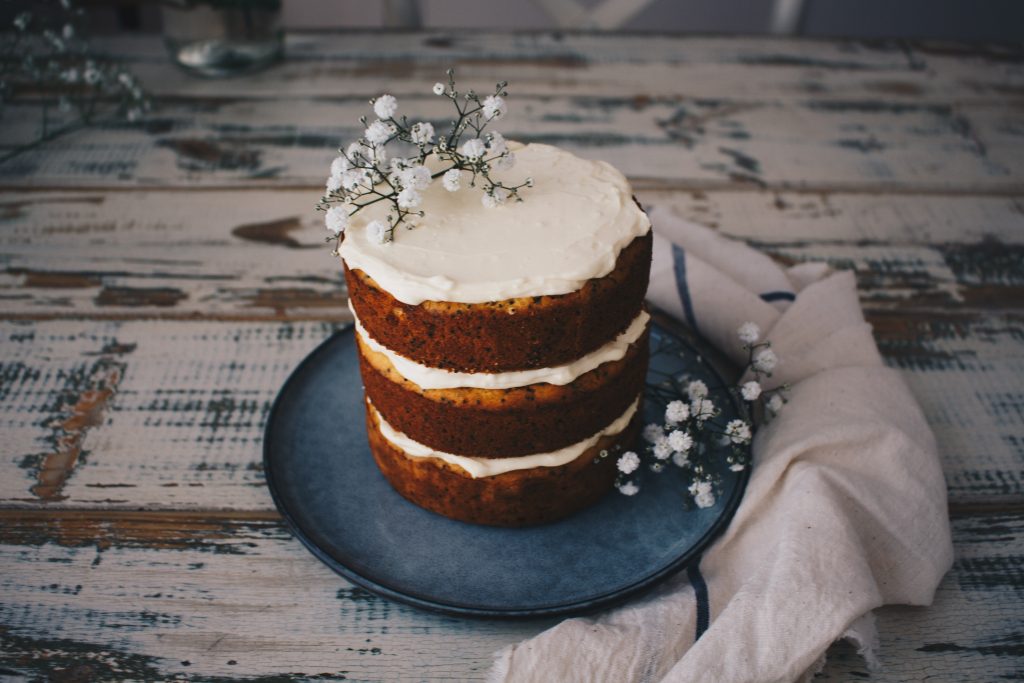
<point x="569" y="228"/>
<point x="426" y="377"/>
<point x="489" y="467"/>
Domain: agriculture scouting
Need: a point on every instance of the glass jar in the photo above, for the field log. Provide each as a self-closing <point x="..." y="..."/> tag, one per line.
<point x="219" y="38"/>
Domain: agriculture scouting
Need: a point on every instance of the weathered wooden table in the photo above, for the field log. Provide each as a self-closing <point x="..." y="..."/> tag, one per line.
<point x="159" y="283"/>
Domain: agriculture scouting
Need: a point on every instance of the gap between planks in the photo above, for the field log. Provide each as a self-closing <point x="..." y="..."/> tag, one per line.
<point x="343" y="317"/>
<point x="95" y="514"/>
<point x="1012" y="189"/>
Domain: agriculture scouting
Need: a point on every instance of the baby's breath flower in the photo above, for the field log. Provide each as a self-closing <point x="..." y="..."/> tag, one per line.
<point x="699" y="486"/>
<point x="738" y="431"/>
<point x="336" y="219"/>
<point x="628" y="488"/>
<point x="68" y="32"/>
<point x="340" y="165"/>
<point x="653" y="432"/>
<point x="409" y="198"/>
<point x="676" y="412"/>
<point x="737" y="467"/>
<point x="750" y="391"/>
<point x="494" y="107"/>
<point x="495" y="197"/>
<point x="353" y="178"/>
<point x="705" y="499"/>
<point x="765" y="360"/>
<point x="696" y="389"/>
<point x="70" y="75"/>
<point x="496" y="143"/>
<point x="662" y="448"/>
<point x="21" y="21"/>
<point x="422" y="133"/>
<point x="358" y="152"/>
<point x="775" y="403"/>
<point x="680" y="459"/>
<point x="505" y="162"/>
<point x="680" y="441"/>
<point x="701" y="409"/>
<point x="378" y="231"/>
<point x="451" y="179"/>
<point x="749" y="333"/>
<point x="385" y="106"/>
<point x="362" y="177"/>
<point x="702" y="493"/>
<point x="92" y="76"/>
<point x="379" y="132"/>
<point x="628" y="462"/>
<point x="473" y="149"/>
<point x="416" y="177"/>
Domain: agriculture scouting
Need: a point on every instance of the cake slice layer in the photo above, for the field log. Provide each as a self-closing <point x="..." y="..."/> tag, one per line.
<point x="508" y="335"/>
<point x="499" y="423"/>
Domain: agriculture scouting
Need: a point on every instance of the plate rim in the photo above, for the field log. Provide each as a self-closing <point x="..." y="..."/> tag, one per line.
<point x="714" y="361"/>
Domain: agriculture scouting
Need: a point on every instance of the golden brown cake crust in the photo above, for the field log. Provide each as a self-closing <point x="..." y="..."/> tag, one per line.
<point x="517" y="498"/>
<point x="500" y="423"/>
<point x="514" y="334"/>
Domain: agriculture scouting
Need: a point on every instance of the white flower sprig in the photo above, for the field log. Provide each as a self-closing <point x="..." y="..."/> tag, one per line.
<point x="691" y="430"/>
<point x="48" y="63"/>
<point x="365" y="174"/>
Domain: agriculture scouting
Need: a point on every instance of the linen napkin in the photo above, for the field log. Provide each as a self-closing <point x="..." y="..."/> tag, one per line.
<point x="845" y="509"/>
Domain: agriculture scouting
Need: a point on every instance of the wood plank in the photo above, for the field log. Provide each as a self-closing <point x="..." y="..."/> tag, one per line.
<point x="609" y="65"/>
<point x="147" y="595"/>
<point x="165" y="414"/>
<point x="169" y="414"/>
<point x="690" y="143"/>
<point x="242" y="255"/>
<point x="259" y="256"/>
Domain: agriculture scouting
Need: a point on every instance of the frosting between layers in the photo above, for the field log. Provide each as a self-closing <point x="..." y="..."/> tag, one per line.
<point x="426" y="377"/>
<point x="489" y="467"/>
<point x="569" y="228"/>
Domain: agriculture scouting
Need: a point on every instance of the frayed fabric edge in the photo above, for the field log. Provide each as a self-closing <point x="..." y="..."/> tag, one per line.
<point x="863" y="634"/>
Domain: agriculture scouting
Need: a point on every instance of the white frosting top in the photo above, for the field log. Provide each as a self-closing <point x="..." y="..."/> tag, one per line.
<point x="489" y="467"/>
<point x="569" y="228"/>
<point x="426" y="377"/>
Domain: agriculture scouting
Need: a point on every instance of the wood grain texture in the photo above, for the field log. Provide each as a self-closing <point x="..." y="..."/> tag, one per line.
<point x="658" y="140"/>
<point x="611" y="65"/>
<point x="693" y="111"/>
<point x="260" y="255"/>
<point x="152" y="596"/>
<point x="148" y="595"/>
<point x="183" y="427"/>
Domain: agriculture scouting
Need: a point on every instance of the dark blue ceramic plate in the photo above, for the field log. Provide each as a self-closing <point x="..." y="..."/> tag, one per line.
<point x="326" y="485"/>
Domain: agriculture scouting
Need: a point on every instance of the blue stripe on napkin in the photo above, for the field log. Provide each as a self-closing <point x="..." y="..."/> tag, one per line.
<point x="700" y="592"/>
<point x="679" y="263"/>
<point x="778" y="296"/>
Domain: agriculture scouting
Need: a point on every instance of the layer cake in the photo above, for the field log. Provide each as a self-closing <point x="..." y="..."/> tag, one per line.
<point x="503" y="349"/>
